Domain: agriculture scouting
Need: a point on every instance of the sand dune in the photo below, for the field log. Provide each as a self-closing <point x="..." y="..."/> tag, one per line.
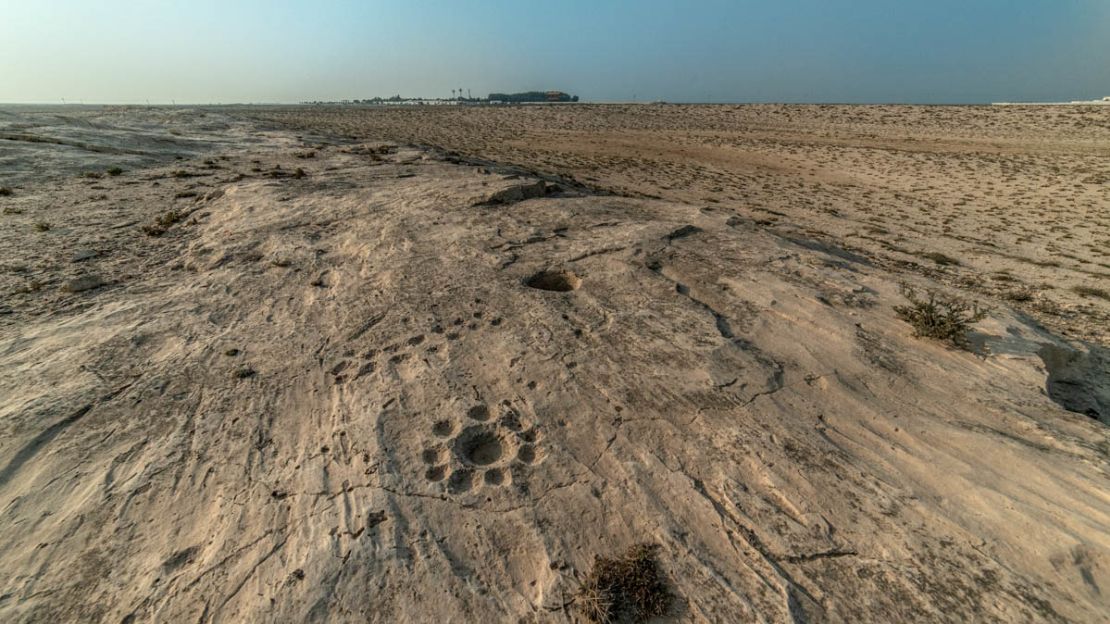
<point x="323" y="378"/>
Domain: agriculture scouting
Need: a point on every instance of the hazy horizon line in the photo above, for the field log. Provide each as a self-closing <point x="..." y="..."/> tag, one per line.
<point x="358" y="102"/>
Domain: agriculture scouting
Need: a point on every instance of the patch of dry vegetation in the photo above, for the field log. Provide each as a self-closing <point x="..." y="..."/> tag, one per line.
<point x="1088" y="291"/>
<point x="628" y="588"/>
<point x="941" y="259"/>
<point x="243" y="372"/>
<point x="939" y="317"/>
<point x="164" y="223"/>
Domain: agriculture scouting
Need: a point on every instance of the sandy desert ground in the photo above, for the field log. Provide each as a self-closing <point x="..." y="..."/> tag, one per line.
<point x="297" y="365"/>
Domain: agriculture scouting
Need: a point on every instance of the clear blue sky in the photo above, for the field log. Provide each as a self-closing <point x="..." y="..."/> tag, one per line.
<point x="677" y="50"/>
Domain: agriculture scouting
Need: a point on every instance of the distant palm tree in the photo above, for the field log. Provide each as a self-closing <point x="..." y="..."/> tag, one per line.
<point x="452" y="94"/>
<point x="460" y="93"/>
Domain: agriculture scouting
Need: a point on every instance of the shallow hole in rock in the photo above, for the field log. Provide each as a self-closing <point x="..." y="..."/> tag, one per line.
<point x="431" y="456"/>
<point x="479" y="412"/>
<point x="495" y="477"/>
<point x="554" y="281"/>
<point x="511" y="421"/>
<point x="436" y="473"/>
<point x="526" y="454"/>
<point x="460" y="481"/>
<point x="479" y="447"/>
<point x="443" y="428"/>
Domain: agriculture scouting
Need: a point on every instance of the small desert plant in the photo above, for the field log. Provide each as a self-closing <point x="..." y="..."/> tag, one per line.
<point x="92" y="175"/>
<point x="170" y="217"/>
<point x="628" y="588"/>
<point x="163" y="223"/>
<point x="115" y="171"/>
<point x="940" y="317"/>
<point x="5" y="191"/>
<point x="42" y="226"/>
<point x="940" y="258"/>
<point x="29" y="287"/>
<point x="1088" y="291"/>
<point x="1018" y="295"/>
<point x="243" y="372"/>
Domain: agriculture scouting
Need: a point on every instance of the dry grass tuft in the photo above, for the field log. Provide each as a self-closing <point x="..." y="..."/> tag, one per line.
<point x="628" y="588"/>
<point x="940" y="317"/>
<point x="243" y="372"/>
<point x="164" y="223"/>
<point x="1018" y="295"/>
<point x="941" y="259"/>
<point x="1088" y="291"/>
<point x="5" y="191"/>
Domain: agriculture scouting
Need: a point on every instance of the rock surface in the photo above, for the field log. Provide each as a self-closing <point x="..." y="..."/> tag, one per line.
<point x="452" y="408"/>
<point x="1010" y="203"/>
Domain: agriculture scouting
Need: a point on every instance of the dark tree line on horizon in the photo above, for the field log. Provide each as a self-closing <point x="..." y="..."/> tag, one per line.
<point x="533" y="96"/>
<point x="513" y="98"/>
